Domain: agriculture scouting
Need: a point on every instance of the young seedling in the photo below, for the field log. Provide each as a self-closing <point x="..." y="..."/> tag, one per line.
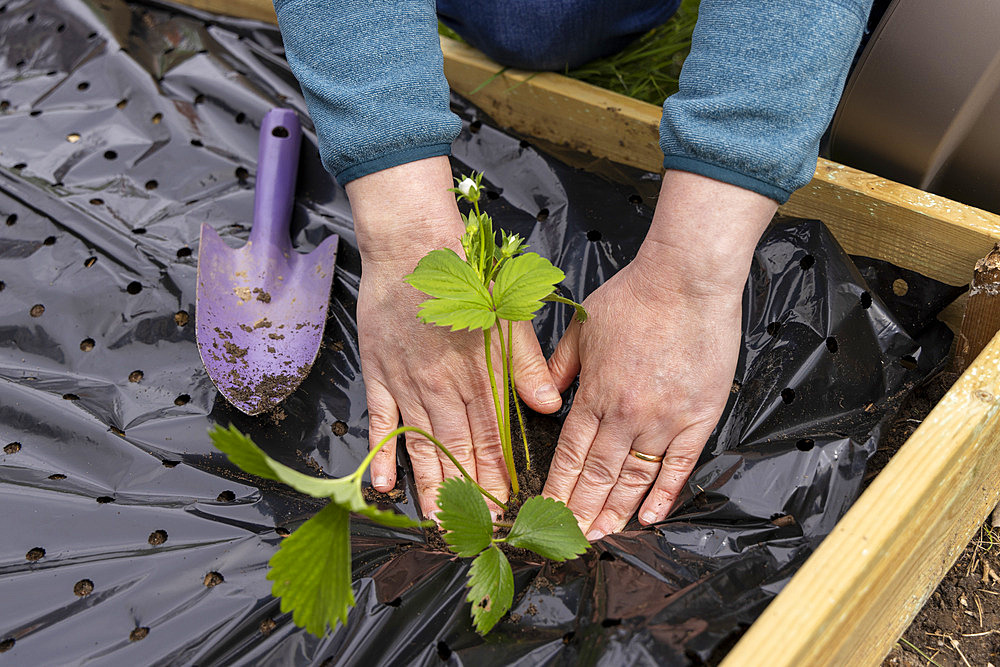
<point x="311" y="570"/>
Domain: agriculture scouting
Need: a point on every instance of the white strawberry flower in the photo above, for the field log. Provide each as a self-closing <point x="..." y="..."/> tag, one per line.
<point x="468" y="188"/>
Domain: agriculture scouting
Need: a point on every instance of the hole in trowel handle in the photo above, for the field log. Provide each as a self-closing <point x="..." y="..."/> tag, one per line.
<point x="280" y="132"/>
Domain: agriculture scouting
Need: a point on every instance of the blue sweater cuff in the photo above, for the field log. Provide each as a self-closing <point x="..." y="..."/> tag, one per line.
<point x="727" y="175"/>
<point x="392" y="159"/>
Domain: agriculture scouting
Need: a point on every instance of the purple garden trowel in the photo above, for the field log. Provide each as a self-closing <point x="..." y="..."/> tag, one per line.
<point x="261" y="308"/>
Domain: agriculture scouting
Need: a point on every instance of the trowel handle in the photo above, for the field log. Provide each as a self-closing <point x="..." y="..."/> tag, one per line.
<point x="277" y="164"/>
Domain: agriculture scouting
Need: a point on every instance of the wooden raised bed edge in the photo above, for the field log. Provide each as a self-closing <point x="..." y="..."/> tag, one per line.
<point x="858" y="592"/>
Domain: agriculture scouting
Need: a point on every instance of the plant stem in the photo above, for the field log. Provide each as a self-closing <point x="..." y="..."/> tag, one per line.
<point x="508" y="455"/>
<point x="505" y="428"/>
<point x="503" y="524"/>
<point x="517" y="404"/>
<point x="408" y="429"/>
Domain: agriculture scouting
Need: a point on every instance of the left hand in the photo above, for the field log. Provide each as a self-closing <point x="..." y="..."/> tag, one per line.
<point x="656" y="357"/>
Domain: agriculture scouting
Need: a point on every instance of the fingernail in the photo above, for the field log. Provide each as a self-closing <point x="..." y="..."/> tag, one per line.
<point x="594" y="535"/>
<point x="381" y="482"/>
<point x="433" y="516"/>
<point x="547" y="394"/>
<point x="648" y="518"/>
<point x="493" y="515"/>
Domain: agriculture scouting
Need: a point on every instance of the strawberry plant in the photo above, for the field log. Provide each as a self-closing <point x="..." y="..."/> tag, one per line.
<point x="311" y="570"/>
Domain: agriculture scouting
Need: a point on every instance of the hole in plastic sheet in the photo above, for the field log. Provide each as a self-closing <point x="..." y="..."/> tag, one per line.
<point x="37" y="310"/>
<point x="542" y="215"/>
<point x="92" y="35"/>
<point x="49" y="240"/>
<point x="83" y="85"/>
<point x="20" y="166"/>
<point x="611" y="622"/>
<point x="152" y="184"/>
<point x="104" y="500"/>
<point x="110" y="155"/>
<point x="11" y="219"/>
<point x="60" y="27"/>
<point x="908" y="362"/>
<point x="787" y="395"/>
<point x="183" y="252"/>
<point x="83" y="588"/>
<point x="122" y="103"/>
<point x="6" y="644"/>
<point x="73" y="138"/>
<point x="157" y="117"/>
<point x="242" y="173"/>
<point x="197" y="142"/>
<point x="444" y="651"/>
<point x="35" y="554"/>
<point x="31" y="18"/>
<point x="213" y="579"/>
<point x="134" y="287"/>
<point x="608" y="556"/>
<point x="57" y="477"/>
<point x="226" y="496"/>
<point x="281" y="531"/>
<point x="267" y="626"/>
<point x="866" y="300"/>
<point x="139" y="230"/>
<point x="167" y="51"/>
<point x="199" y="98"/>
<point x="395" y="602"/>
<point x="117" y="431"/>
<point x="241" y="117"/>
<point x="51" y="72"/>
<point x="524" y="144"/>
<point x="181" y="319"/>
<point x="807" y="262"/>
<point x="87" y="344"/>
<point x="635" y="199"/>
<point x="279" y="132"/>
<point x="167" y="463"/>
<point x="135" y="376"/>
<point x="339" y="428"/>
<point x="568" y="637"/>
<point x="475" y="126"/>
<point x="157" y="537"/>
<point x="3" y="285"/>
<point x="594" y="235"/>
<point x="12" y="448"/>
<point x="773" y="328"/>
<point x="97" y="201"/>
<point x="138" y="634"/>
<point x="182" y="399"/>
<point x="20" y="63"/>
<point x="805" y="444"/>
<point x="36" y="113"/>
<point x="831" y="344"/>
<point x="900" y="287"/>
<point x="492" y="195"/>
<point x="4" y="105"/>
<point x="89" y="262"/>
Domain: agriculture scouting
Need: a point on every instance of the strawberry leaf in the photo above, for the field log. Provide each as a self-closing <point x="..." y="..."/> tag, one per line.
<point x="491" y="589"/>
<point x="521" y="284"/>
<point x="312" y="571"/>
<point x="460" y="301"/>
<point x="464" y="517"/>
<point x="548" y="528"/>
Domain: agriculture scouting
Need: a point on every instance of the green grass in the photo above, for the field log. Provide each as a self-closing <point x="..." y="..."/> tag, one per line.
<point x="647" y="69"/>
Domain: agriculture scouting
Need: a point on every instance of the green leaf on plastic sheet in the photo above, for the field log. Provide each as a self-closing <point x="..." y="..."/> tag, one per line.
<point x="548" y="528"/>
<point x="522" y="283"/>
<point x="491" y="589"/>
<point x="581" y="312"/>
<point x="464" y="517"/>
<point x="345" y="492"/>
<point x="312" y="571"/>
<point x="460" y="301"/>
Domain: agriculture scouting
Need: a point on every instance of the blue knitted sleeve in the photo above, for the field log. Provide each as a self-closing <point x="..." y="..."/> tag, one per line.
<point x="373" y="78"/>
<point x="759" y="88"/>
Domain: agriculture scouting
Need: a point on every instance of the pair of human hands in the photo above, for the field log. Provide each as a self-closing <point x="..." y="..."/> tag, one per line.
<point x="656" y="357"/>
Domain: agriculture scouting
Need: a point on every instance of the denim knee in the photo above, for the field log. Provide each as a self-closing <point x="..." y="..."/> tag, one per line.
<point x="552" y="34"/>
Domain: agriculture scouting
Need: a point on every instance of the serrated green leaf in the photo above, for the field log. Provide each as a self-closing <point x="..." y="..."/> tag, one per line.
<point x="460" y="300"/>
<point x="521" y="284"/>
<point x="548" y="528"/>
<point x="345" y="492"/>
<point x="311" y="571"/>
<point x="491" y="589"/>
<point x="464" y="517"/>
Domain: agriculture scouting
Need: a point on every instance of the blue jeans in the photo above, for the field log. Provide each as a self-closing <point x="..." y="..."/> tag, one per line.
<point x="552" y="34"/>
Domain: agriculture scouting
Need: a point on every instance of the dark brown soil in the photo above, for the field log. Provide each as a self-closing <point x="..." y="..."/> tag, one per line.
<point x="213" y="579"/>
<point x="960" y="624"/>
<point x="83" y="588"/>
<point x="138" y="634"/>
<point x="157" y="537"/>
<point x="267" y="626"/>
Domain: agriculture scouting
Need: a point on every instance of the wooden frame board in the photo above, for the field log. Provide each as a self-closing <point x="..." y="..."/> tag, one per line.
<point x="858" y="592"/>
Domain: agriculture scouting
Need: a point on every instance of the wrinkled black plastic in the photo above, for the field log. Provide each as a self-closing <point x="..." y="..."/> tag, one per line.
<point x="123" y="129"/>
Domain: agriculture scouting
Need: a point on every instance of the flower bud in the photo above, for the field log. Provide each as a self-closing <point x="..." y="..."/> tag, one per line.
<point x="468" y="188"/>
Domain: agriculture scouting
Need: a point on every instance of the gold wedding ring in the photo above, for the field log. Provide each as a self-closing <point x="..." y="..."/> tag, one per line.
<point x="646" y="457"/>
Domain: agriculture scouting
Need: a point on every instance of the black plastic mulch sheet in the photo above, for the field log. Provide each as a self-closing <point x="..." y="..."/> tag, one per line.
<point x="127" y="540"/>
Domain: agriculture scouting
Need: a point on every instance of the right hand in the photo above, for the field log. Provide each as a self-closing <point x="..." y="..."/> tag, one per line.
<point x="435" y="379"/>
